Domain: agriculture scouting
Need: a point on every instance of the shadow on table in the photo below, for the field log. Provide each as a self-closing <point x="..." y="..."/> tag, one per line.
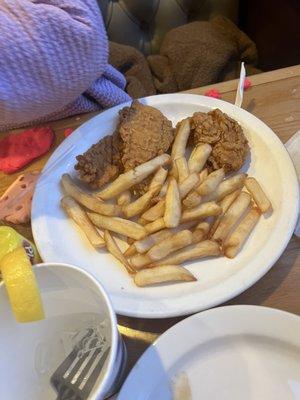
<point x="250" y="106"/>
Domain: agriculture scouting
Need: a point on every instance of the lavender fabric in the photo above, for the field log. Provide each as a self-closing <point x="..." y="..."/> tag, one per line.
<point x="54" y="61"/>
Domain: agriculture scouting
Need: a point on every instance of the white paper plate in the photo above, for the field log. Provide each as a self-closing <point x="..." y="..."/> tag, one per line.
<point x="228" y="353"/>
<point x="219" y="279"/>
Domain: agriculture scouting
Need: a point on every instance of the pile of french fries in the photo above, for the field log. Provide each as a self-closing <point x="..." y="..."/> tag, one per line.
<point x="186" y="214"/>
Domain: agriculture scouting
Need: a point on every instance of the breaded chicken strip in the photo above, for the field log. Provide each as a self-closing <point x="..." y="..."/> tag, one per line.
<point x="101" y="163"/>
<point x="142" y="133"/>
<point x="225" y="135"/>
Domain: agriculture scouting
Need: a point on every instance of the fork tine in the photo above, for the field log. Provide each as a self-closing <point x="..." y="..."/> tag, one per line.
<point x="85" y="366"/>
<point x="90" y="379"/>
<point x="75" y="358"/>
<point x="76" y="376"/>
<point x="66" y="368"/>
<point x="74" y="367"/>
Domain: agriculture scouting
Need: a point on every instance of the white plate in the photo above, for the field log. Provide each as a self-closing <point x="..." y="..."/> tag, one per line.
<point x="219" y="279"/>
<point x="227" y="353"/>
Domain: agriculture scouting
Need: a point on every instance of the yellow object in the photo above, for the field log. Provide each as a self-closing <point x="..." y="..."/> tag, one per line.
<point x="10" y="240"/>
<point x="16" y="256"/>
<point x="21" y="286"/>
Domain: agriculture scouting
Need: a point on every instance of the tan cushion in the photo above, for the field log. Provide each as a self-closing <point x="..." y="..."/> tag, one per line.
<point x="143" y="23"/>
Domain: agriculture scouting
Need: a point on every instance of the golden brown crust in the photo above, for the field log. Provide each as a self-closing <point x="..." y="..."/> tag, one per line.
<point x="143" y="132"/>
<point x="101" y="163"/>
<point x="225" y="135"/>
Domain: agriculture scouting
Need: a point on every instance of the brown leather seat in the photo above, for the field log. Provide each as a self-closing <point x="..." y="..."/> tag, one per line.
<point x="143" y="23"/>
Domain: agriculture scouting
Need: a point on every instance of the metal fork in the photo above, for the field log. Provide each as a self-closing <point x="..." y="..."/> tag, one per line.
<point x="76" y="376"/>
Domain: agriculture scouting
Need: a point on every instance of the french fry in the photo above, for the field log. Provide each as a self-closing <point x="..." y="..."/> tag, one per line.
<point x="142" y="246"/>
<point x="192" y="200"/>
<point x="155" y="226"/>
<point x="124" y="198"/>
<point x="138" y="206"/>
<point x="204" y="210"/>
<point x="114" y="249"/>
<point x="172" y="213"/>
<point x="139" y="261"/>
<point x="167" y="246"/>
<point x="203" y="175"/>
<point x="79" y="216"/>
<point x="180" y="142"/>
<point x="228" y="200"/>
<point x="88" y="200"/>
<point x="204" y="226"/>
<point x="237" y="238"/>
<point x="259" y="196"/>
<point x="211" y="183"/>
<point x="128" y="179"/>
<point x="188" y="184"/>
<point x="155" y="212"/>
<point x="201" y="231"/>
<point x="130" y="251"/>
<point x="198" y="236"/>
<point x="119" y="225"/>
<point x="164" y="188"/>
<point x="224" y="204"/>
<point x="163" y="273"/>
<point x="207" y="248"/>
<point x="143" y="202"/>
<point x="158" y="180"/>
<point x="182" y="168"/>
<point x="199" y="157"/>
<point x="228" y="186"/>
<point x="231" y="217"/>
<point x="142" y="221"/>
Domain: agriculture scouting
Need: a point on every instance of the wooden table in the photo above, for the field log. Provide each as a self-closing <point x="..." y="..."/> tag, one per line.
<point x="274" y="98"/>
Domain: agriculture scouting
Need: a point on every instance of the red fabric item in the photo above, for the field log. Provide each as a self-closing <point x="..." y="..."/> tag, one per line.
<point x="247" y="83"/>
<point x="18" y="150"/>
<point x="68" y="132"/>
<point x="213" y="93"/>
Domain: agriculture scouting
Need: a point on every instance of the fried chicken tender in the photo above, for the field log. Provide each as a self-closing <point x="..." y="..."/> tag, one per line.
<point x="225" y="135"/>
<point x="142" y="133"/>
<point x="101" y="163"/>
<point x="145" y="133"/>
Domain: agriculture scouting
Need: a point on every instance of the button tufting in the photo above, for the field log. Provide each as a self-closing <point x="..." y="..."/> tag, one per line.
<point x="143" y="23"/>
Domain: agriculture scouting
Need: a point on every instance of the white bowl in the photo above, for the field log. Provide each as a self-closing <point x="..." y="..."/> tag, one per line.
<point x="30" y="352"/>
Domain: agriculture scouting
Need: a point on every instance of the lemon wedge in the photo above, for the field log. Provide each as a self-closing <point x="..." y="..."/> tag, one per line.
<point x="10" y="240"/>
<point x="21" y="286"/>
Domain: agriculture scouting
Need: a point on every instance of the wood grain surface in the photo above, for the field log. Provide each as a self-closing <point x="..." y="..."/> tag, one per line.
<point x="274" y="98"/>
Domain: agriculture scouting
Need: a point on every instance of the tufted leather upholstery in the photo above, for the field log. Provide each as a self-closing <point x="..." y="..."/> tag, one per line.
<point x="143" y="23"/>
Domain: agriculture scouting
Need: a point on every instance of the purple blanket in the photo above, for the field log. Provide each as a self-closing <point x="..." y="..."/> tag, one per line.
<point x="54" y="61"/>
